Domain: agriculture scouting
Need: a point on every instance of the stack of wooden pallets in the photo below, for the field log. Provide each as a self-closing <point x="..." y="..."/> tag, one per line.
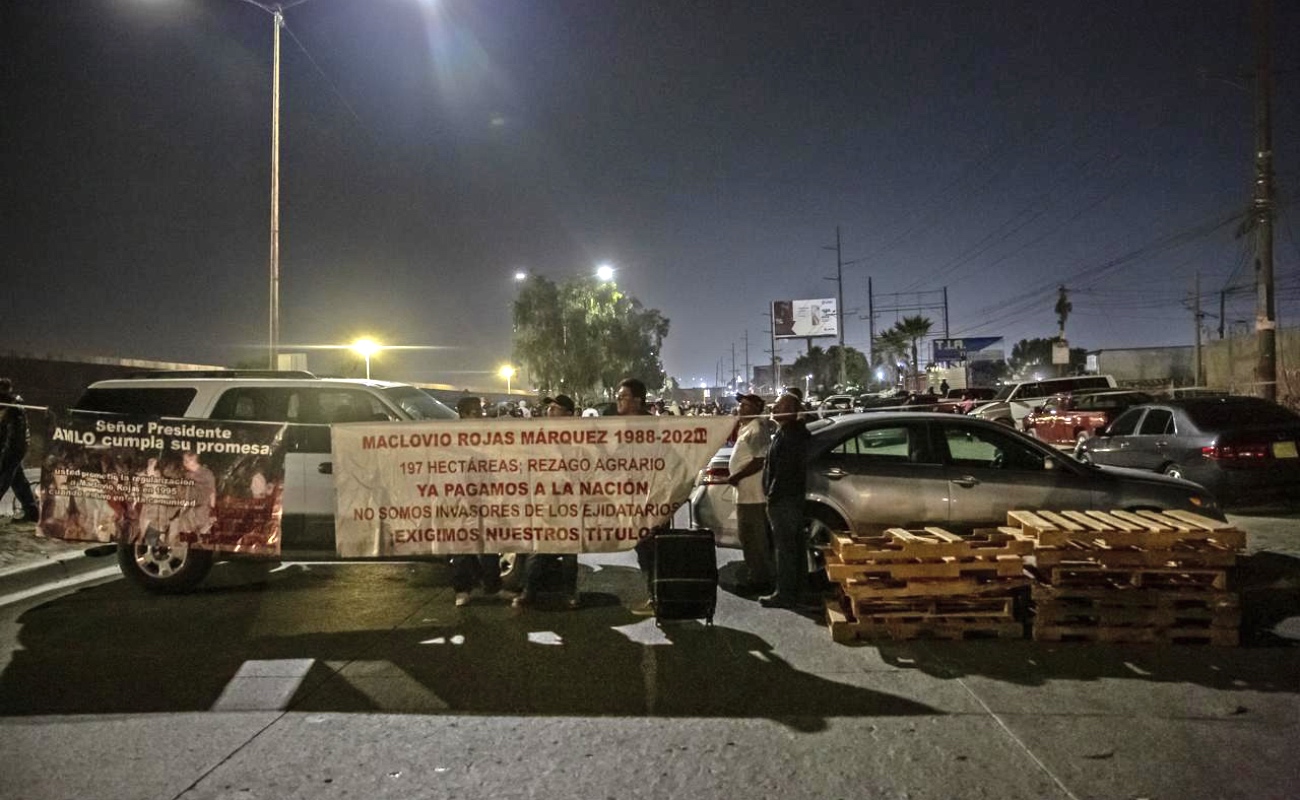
<point x="1131" y="577"/>
<point x="928" y="583"/>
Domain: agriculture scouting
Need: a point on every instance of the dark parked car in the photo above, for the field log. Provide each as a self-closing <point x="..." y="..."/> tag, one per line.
<point x="1242" y="449"/>
<point x="907" y="469"/>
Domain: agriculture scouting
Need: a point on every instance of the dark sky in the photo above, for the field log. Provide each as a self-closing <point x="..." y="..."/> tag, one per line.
<point x="707" y="150"/>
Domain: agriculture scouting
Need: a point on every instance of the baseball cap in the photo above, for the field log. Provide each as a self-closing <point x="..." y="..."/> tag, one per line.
<point x="565" y="402"/>
<point x="740" y="398"/>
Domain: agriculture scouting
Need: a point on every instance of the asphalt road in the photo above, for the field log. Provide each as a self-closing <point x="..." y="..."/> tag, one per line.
<point x="334" y="681"/>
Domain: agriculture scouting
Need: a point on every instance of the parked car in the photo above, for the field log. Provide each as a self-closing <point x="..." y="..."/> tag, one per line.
<point x="835" y="404"/>
<point x="884" y="399"/>
<point x="309" y="404"/>
<point x="1069" y="418"/>
<point x="1242" y="449"/>
<point x="1015" y="400"/>
<point x="952" y="402"/>
<point x="883" y="469"/>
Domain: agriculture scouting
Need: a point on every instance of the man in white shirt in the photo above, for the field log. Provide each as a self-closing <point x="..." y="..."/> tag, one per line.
<point x="746" y="467"/>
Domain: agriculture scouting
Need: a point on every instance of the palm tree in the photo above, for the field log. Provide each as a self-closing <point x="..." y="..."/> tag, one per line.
<point x="914" y="329"/>
<point x="890" y="346"/>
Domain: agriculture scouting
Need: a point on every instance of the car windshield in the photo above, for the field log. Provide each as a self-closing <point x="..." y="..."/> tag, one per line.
<point x="418" y="405"/>
<point x="1239" y="413"/>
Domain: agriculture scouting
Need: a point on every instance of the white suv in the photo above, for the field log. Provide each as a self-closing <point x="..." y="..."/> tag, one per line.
<point x="307" y="403"/>
<point x="1015" y="400"/>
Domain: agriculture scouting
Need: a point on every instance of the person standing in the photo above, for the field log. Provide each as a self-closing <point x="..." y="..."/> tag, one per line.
<point x="13" y="448"/>
<point x="537" y="564"/>
<point x="629" y="399"/>
<point x="470" y="569"/>
<point x="785" y="482"/>
<point x="746" y="467"/>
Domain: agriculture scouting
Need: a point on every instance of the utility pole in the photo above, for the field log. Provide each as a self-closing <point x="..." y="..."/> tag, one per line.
<point x="733" y="364"/>
<point x="1262" y="206"/>
<point x="839" y="304"/>
<point x="749" y="376"/>
<point x="1196" y="320"/>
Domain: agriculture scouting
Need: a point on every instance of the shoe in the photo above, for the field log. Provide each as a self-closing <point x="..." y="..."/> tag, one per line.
<point x="462" y="599"/>
<point x="574" y="601"/>
<point x="521" y="600"/>
<point x="32" y="516"/>
<point x="775" y="601"/>
<point x="646" y="609"/>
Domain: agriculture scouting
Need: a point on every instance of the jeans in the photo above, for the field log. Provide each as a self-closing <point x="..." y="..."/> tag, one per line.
<point x="751" y="521"/>
<point x="469" y="569"/>
<point x="786" y="516"/>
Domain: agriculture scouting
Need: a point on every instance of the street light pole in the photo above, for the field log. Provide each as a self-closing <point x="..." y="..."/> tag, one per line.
<point x="277" y="14"/>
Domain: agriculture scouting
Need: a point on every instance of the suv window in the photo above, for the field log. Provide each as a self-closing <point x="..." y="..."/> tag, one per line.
<point x="1158" y="421"/>
<point x="311" y="405"/>
<point x="152" y="401"/>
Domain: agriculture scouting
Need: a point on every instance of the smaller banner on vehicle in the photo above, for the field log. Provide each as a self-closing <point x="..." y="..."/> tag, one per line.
<point x="214" y="485"/>
<point x="552" y="485"/>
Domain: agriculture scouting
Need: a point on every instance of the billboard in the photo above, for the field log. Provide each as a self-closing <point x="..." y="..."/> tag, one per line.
<point x="797" y="319"/>
<point x="956" y="349"/>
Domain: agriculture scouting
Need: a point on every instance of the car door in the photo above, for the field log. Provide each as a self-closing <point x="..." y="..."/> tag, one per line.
<point x="880" y="474"/>
<point x="1148" y="445"/>
<point x="1111" y="447"/>
<point x="991" y="471"/>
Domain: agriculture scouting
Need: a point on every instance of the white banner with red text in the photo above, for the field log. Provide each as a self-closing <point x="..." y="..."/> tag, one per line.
<point x="549" y="485"/>
<point x="119" y="478"/>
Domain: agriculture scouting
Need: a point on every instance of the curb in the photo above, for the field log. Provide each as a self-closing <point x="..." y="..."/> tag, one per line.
<point x="22" y="579"/>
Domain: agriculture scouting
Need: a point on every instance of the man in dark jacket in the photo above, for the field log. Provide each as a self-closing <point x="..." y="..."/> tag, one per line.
<point x="785" y="481"/>
<point x="13" y="447"/>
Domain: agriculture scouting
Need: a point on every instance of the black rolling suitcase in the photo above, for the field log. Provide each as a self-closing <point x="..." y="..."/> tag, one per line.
<point x="685" y="582"/>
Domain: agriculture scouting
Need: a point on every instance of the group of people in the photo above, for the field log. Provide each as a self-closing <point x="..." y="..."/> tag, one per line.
<point x="767" y="469"/>
<point x="469" y="571"/>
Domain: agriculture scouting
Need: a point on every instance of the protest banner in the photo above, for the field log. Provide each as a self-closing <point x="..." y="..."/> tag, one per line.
<point x="554" y="485"/>
<point x="214" y="485"/>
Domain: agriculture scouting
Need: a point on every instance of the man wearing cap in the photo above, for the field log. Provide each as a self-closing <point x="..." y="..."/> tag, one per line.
<point x="746" y="467"/>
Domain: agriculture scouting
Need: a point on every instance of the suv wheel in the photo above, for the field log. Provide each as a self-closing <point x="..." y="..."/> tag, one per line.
<point x="1174" y="471"/>
<point x="164" y="569"/>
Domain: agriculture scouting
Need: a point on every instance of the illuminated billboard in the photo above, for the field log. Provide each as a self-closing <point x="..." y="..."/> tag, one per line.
<point x="797" y="319"/>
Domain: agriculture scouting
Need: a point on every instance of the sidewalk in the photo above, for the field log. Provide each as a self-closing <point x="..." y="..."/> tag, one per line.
<point x="28" y="559"/>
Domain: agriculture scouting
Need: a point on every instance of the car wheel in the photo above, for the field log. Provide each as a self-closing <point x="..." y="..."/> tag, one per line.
<point x="821" y="524"/>
<point x="163" y="569"/>
<point x="1078" y="444"/>
<point x="1174" y="471"/>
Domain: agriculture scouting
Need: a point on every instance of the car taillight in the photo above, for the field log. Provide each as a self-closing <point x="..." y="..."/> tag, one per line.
<point x="1239" y="454"/>
<point x="715" y="475"/>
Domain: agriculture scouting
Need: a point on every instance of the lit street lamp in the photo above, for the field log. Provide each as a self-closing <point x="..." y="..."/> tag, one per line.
<point x="507" y="372"/>
<point x="605" y="273"/>
<point x="366" y="348"/>
<point x="806" y="380"/>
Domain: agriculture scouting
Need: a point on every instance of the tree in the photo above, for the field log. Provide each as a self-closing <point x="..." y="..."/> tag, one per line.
<point x="914" y="329"/>
<point x="891" y="345"/>
<point x="824" y="366"/>
<point x="583" y="335"/>
<point x="1028" y="355"/>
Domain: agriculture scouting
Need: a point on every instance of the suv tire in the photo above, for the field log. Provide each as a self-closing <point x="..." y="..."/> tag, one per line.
<point x="162" y="569"/>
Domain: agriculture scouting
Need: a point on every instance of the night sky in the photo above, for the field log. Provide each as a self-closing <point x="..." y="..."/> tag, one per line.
<point x="707" y="150"/>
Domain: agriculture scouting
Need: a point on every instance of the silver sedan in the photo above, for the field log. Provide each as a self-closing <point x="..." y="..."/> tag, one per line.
<point x="867" y="472"/>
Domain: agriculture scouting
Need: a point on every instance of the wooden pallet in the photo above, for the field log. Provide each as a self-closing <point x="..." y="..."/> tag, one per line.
<point x="948" y="567"/>
<point x="883" y="588"/>
<point x="1223" y="637"/>
<point x="897" y="544"/>
<point x="920" y="608"/>
<point x="1193" y="554"/>
<point x="848" y="629"/>
<point x="1150" y="529"/>
<point x="1120" y="577"/>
